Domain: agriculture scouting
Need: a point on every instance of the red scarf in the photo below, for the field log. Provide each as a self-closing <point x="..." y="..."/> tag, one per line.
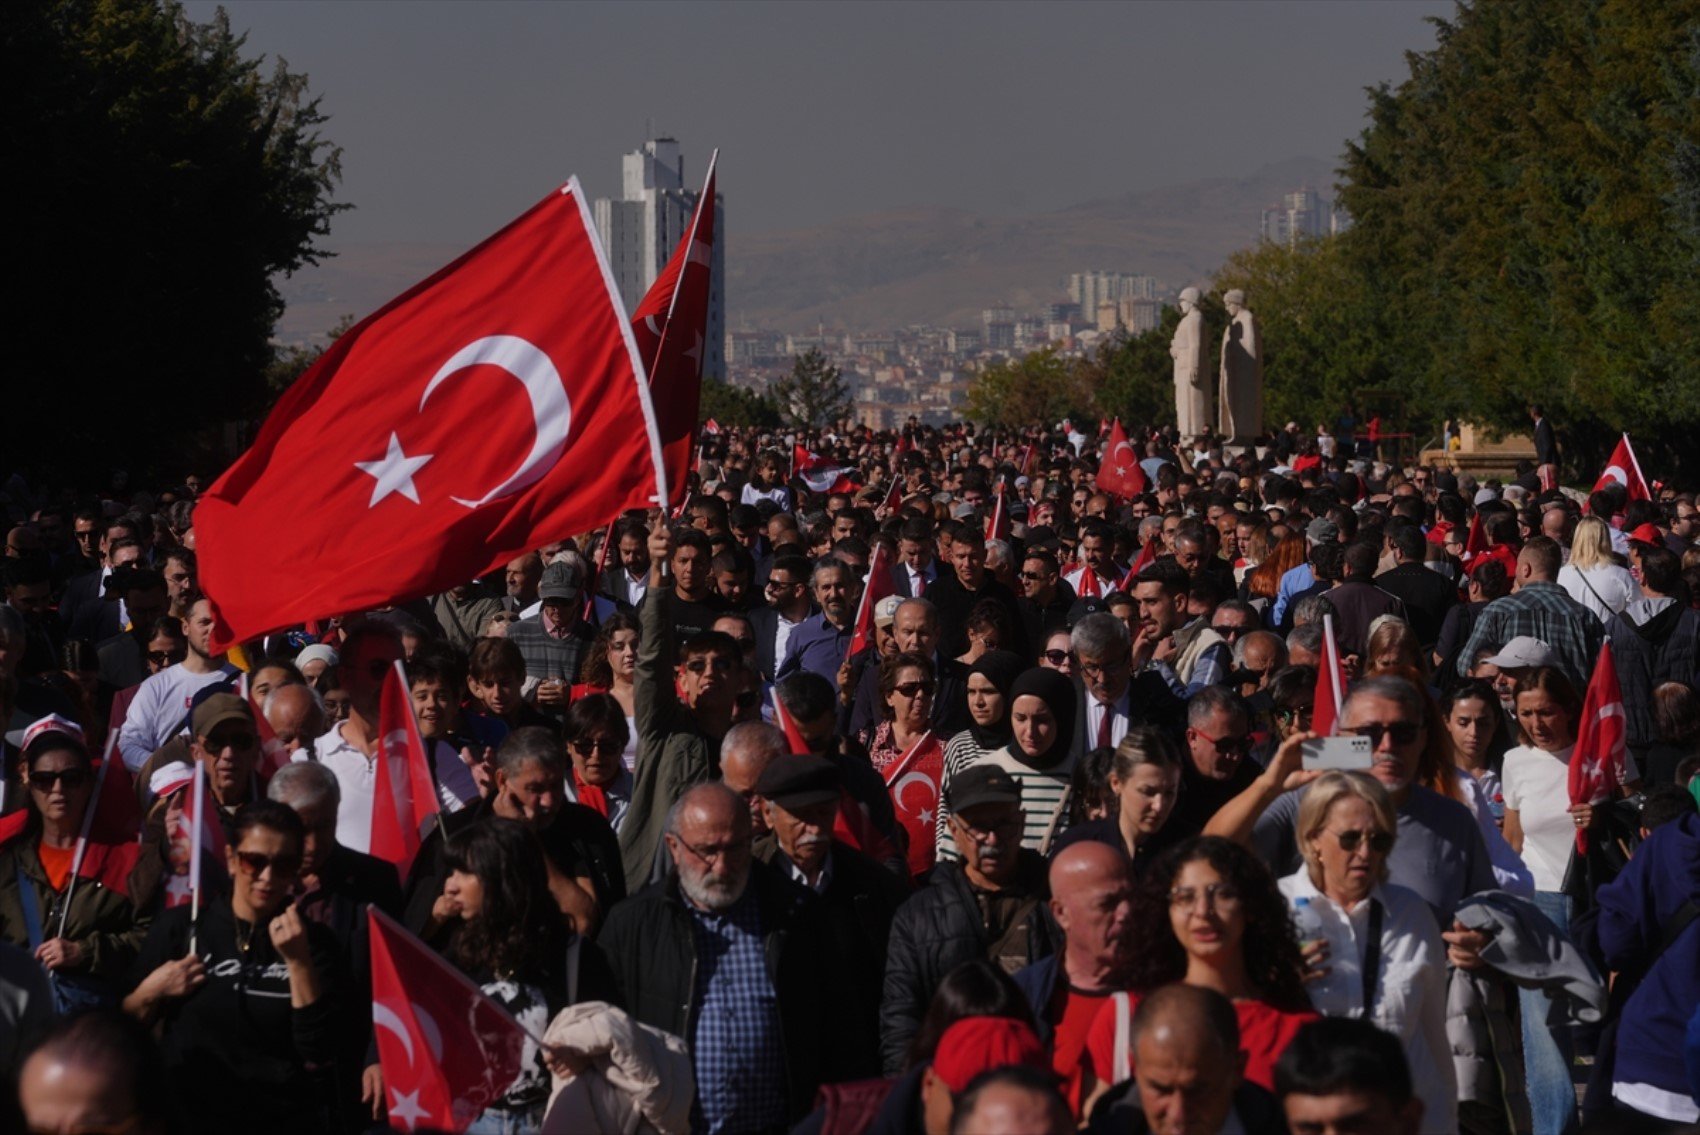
<point x="591" y="796"/>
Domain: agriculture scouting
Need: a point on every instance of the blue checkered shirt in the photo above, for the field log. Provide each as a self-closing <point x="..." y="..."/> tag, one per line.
<point x="736" y="1045"/>
<point x="1544" y="611"/>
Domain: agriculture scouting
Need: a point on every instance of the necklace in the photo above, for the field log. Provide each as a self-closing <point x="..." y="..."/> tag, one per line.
<point x="245" y="941"/>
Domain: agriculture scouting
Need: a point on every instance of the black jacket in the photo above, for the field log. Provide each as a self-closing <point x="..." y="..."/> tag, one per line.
<point x="648" y="943"/>
<point x="1427" y="596"/>
<point x="1662" y="649"/>
<point x="860" y="899"/>
<point x="950" y="699"/>
<point x="1152" y="703"/>
<point x="938" y="929"/>
<point x="956" y="602"/>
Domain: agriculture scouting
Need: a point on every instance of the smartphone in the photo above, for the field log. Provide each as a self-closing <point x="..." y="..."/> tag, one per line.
<point x="1347" y="753"/>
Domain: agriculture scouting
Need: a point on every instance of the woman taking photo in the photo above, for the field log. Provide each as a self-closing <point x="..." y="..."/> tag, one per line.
<point x="907" y="755"/>
<point x="249" y="1019"/>
<point x="1374" y="948"/>
<point x="608" y="669"/>
<point x="84" y="931"/>
<point x="1208" y="913"/>
<point x="1145" y="782"/>
<point x="989" y="682"/>
<point x="496" y="921"/>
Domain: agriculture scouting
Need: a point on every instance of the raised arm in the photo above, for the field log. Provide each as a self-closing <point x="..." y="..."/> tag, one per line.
<point x="1235" y="819"/>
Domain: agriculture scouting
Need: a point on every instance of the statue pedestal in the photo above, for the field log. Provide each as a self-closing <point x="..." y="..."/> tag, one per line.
<point x="1482" y="456"/>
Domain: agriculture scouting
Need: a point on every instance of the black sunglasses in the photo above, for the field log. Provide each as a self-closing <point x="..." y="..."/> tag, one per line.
<point x="254" y="864"/>
<point x="1402" y="732"/>
<point x="604" y="745"/>
<point x="701" y="665"/>
<point x="1379" y="842"/>
<point x="69" y="779"/>
<point x="1055" y="657"/>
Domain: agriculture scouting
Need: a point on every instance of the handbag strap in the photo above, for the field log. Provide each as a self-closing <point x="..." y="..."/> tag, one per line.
<point x="1119" y="1068"/>
<point x="1372" y="958"/>
<point x="31" y="905"/>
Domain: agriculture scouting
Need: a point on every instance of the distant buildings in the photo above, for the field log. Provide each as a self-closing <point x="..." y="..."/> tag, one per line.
<point x="1091" y="290"/>
<point x="641" y="228"/>
<point x="1302" y="214"/>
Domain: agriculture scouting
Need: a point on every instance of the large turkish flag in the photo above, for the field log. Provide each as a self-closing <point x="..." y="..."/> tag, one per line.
<point x="496" y="406"/>
<point x="671" y="329"/>
<point x="1120" y="474"/>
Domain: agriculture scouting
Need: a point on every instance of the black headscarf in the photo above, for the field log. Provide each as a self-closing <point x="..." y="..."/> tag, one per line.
<point x="1058" y="693"/>
<point x="1000" y="668"/>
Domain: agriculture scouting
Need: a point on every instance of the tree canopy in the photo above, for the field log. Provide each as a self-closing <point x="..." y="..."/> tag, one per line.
<point x="170" y="178"/>
<point x="814" y="394"/>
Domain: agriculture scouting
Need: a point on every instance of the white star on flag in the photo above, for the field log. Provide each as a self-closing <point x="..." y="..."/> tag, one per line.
<point x="404" y="1107"/>
<point x="394" y="472"/>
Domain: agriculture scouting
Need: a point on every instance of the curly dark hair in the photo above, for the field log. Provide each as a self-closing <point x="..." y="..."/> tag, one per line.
<point x="519" y="930"/>
<point x="1270" y="946"/>
<point x="597" y="670"/>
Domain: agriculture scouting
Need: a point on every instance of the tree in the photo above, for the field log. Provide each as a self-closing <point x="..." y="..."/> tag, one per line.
<point x="290" y="363"/>
<point x="170" y="180"/>
<point x="1038" y="387"/>
<point x="814" y="395"/>
<point x="736" y="405"/>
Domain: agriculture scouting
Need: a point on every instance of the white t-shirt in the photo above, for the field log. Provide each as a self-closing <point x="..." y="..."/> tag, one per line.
<point x="357" y="777"/>
<point x="159" y="710"/>
<point x="1537" y="787"/>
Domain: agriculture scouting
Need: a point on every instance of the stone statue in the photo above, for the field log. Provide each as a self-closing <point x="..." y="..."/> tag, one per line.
<point x="1192" y="394"/>
<point x="1241" y="396"/>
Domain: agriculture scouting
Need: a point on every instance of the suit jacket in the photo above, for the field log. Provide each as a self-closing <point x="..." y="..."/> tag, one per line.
<point x="1427" y="596"/>
<point x="1152" y="703"/>
<point x="83" y="590"/>
<point x="950" y="700"/>
<point x="90" y="616"/>
<point x="900" y="578"/>
<point x="616" y="586"/>
<point x="764" y="620"/>
<point x="1358" y="604"/>
<point x="1546" y="443"/>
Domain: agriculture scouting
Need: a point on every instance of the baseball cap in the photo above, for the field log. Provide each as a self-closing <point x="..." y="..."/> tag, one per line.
<point x="1523" y="652"/>
<point x="218" y="709"/>
<point x="560" y="581"/>
<point x="978" y="1044"/>
<point x="53" y="728"/>
<point x="1483" y="496"/>
<point x="1646" y="534"/>
<point x="798" y="781"/>
<point x="1322" y="530"/>
<point x="981" y="784"/>
<point x="885" y="611"/>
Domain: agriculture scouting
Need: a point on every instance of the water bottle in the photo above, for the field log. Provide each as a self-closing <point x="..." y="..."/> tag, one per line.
<point x="1307" y="922"/>
<point x="1496" y="807"/>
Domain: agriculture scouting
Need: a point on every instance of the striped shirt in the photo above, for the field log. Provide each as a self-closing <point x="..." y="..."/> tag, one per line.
<point x="1044" y="795"/>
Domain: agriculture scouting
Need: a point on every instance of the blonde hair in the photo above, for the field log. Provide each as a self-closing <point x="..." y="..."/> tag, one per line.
<point x="1391" y="632"/>
<point x="1326" y="791"/>
<point x="1591" y="545"/>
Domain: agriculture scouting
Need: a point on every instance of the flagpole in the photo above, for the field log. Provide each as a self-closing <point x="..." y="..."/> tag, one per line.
<point x="1331" y="658"/>
<point x="198" y="798"/>
<point x="1636" y="461"/>
<point x="87" y="826"/>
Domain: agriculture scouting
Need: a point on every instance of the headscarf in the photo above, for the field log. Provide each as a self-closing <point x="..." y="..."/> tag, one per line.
<point x="1059" y="694"/>
<point x="1000" y="668"/>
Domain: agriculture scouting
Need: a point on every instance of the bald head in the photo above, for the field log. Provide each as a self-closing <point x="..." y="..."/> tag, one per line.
<point x="708" y="838"/>
<point x="915" y="626"/>
<point x="1186" y="1058"/>
<point x="706" y="807"/>
<point x="295" y="715"/>
<point x="1092" y="900"/>
<point x="745" y="752"/>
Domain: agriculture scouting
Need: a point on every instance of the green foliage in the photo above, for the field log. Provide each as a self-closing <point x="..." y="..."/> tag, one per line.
<point x="1133" y="378"/>
<point x="1039" y="387"/>
<point x="289" y="363"/>
<point x="736" y="405"/>
<point x="814" y="395"/>
<point x="169" y="179"/>
<point x="1525" y="212"/>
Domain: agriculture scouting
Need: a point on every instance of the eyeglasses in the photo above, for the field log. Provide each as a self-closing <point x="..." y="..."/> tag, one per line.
<point x="1401" y="732"/>
<point x="913" y="689"/>
<point x="1379" y="842"/>
<point x="222" y="741"/>
<point x="719" y="664"/>
<point x="161" y="657"/>
<point x="1217" y="896"/>
<point x="1055" y="657"/>
<point x="728" y="852"/>
<point x="978" y="834"/>
<point x="1099" y="669"/>
<point x="604" y="745"/>
<point x="254" y="864"/>
<point x="1226" y="745"/>
<point x="780" y="585"/>
<point x="69" y="779"/>
<point x="1034" y="576"/>
<point x="1231" y="632"/>
<point x="1302" y="713"/>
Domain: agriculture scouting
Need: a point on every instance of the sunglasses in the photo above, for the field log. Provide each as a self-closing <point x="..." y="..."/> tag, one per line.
<point x="1401" y="732"/>
<point x="161" y="657"/>
<point x="231" y="741"/>
<point x="605" y="746"/>
<point x="1055" y="657"/>
<point x="702" y="665"/>
<point x="1379" y="842"/>
<point x="1034" y="576"/>
<point x="69" y="779"/>
<point x="254" y="864"/>
<point x="1226" y="745"/>
<point x="912" y="689"/>
<point x="1231" y="632"/>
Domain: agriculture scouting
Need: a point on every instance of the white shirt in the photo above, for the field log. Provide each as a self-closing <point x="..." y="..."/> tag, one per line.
<point x="356" y="776"/>
<point x="1537" y="786"/>
<point x="919" y="581"/>
<point x="1118" y="711"/>
<point x="1605" y="589"/>
<point x="1410" y="993"/>
<point x="782" y="628"/>
<point x="160" y="708"/>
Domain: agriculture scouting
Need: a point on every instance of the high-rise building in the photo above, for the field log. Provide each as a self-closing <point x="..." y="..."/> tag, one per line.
<point x="1092" y="289"/>
<point x="1299" y="215"/>
<point x="641" y="228"/>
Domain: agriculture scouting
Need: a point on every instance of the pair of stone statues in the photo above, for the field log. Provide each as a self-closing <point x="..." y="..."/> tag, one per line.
<point x="1240" y="376"/>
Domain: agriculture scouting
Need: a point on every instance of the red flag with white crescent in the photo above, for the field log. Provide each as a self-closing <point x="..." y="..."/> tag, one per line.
<point x="1330" y="693"/>
<point x="998" y="524"/>
<point x="670" y="325"/>
<point x="404" y="796"/>
<point x="877" y="586"/>
<point x="1602" y="740"/>
<point x="1119" y="473"/>
<point x="1625" y="470"/>
<point x="479" y="415"/>
<point x="447" y="1050"/>
<point x="820" y="475"/>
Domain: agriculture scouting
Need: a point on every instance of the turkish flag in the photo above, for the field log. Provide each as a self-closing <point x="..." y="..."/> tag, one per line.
<point x="670" y="326"/>
<point x="1119" y="474"/>
<point x="1602" y="740"/>
<point x="196" y="837"/>
<point x="877" y="586"/>
<point x="1330" y="694"/>
<point x="404" y="796"/>
<point x="1475" y="541"/>
<point x="446" y="1049"/>
<point x="1626" y="471"/>
<point x="1026" y="459"/>
<point x="479" y="415"/>
<point x="998" y="525"/>
<point x="819" y="475"/>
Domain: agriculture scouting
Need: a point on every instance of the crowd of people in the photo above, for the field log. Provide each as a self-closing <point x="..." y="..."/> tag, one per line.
<point x="967" y="799"/>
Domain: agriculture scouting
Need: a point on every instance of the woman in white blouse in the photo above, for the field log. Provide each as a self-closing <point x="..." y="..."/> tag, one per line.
<point x="1592" y="577"/>
<point x="1373" y="947"/>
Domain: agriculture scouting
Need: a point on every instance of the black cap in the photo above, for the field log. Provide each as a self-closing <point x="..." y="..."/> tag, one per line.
<point x="981" y="784"/>
<point x="799" y="781"/>
<point x="1084" y="606"/>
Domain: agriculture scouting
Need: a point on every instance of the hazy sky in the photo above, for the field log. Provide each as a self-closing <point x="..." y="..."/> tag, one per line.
<point x="455" y="116"/>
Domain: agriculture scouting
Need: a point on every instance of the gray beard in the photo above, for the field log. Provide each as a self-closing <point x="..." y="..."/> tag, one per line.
<point x="713" y="898"/>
